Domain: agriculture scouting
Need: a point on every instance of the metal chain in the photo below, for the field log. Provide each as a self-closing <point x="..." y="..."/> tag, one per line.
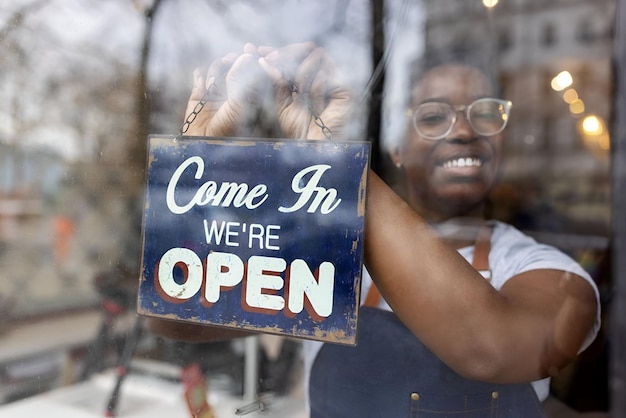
<point x="328" y="133"/>
<point x="191" y="117"/>
<point x="325" y="129"/>
<point x="293" y="86"/>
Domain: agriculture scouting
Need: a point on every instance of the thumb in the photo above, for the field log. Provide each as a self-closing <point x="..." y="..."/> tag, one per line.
<point x="199" y="89"/>
<point x="247" y="83"/>
<point x="199" y="84"/>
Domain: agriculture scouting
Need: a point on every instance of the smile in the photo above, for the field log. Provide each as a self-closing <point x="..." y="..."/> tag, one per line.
<point x="463" y="162"/>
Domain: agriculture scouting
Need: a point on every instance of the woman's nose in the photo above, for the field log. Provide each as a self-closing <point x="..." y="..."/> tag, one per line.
<point x="462" y="130"/>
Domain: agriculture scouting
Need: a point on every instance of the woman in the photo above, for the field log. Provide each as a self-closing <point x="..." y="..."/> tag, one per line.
<point x="449" y="337"/>
<point x="524" y="321"/>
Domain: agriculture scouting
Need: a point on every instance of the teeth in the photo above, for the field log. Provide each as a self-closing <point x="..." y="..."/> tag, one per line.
<point x="463" y="162"/>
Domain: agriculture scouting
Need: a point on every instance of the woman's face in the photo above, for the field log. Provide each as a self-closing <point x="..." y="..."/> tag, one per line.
<point x="450" y="176"/>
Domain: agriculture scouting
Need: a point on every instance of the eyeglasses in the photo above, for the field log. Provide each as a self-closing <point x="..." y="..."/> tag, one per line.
<point x="487" y="116"/>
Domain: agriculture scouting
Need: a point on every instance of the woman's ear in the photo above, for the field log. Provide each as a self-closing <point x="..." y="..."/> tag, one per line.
<point x="398" y="176"/>
<point x="396" y="157"/>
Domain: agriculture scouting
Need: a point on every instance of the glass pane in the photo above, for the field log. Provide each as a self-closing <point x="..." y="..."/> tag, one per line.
<point x="84" y="83"/>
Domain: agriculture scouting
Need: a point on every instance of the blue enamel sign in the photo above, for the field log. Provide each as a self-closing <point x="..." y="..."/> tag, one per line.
<point x="263" y="235"/>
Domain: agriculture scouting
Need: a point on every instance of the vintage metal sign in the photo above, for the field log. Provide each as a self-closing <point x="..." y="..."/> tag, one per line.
<point x="260" y="235"/>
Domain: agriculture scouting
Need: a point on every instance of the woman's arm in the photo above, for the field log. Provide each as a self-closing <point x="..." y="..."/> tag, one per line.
<point x="528" y="330"/>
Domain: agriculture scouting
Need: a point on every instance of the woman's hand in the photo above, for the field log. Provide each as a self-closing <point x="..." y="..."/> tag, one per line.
<point x="297" y="86"/>
<point x="307" y="85"/>
<point x="236" y="87"/>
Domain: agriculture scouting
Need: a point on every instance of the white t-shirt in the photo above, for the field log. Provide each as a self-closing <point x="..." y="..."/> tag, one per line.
<point x="512" y="253"/>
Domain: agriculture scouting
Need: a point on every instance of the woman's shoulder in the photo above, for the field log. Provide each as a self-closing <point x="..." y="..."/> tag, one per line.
<point x="517" y="252"/>
<point x="507" y="232"/>
<point x="507" y="238"/>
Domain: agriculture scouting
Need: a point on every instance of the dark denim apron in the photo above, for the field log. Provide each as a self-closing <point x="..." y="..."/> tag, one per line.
<point x="390" y="373"/>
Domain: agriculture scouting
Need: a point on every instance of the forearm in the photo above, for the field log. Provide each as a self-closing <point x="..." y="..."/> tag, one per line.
<point x="435" y="292"/>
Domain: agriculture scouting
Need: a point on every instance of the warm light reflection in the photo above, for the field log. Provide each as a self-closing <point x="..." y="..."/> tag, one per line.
<point x="594" y="134"/>
<point x="570" y="96"/>
<point x="561" y="81"/>
<point x="577" y="107"/>
<point x="604" y="142"/>
<point x="490" y="3"/>
<point x="592" y="125"/>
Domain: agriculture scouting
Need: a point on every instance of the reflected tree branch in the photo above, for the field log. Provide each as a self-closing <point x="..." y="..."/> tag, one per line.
<point x="137" y="151"/>
<point x="18" y="17"/>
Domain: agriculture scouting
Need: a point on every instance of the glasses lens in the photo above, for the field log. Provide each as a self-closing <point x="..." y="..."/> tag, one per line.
<point x="489" y="116"/>
<point x="432" y="120"/>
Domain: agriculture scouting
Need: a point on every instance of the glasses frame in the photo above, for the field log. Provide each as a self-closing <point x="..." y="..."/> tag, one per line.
<point x="466" y="109"/>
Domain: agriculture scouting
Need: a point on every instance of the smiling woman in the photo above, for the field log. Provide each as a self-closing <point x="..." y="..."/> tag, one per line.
<point x="486" y="311"/>
<point x="478" y="161"/>
<point x="452" y="150"/>
<point x="486" y="336"/>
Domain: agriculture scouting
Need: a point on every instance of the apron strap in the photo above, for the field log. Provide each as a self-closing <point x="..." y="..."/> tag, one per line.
<point x="373" y="297"/>
<point x="480" y="261"/>
<point x="482" y="247"/>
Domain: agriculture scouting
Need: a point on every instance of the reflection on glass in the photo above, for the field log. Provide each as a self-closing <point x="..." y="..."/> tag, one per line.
<point x="561" y="81"/>
<point x="490" y="3"/>
<point x="592" y="125"/>
<point x="577" y="107"/>
<point x="84" y="81"/>
<point x="595" y="135"/>
<point x="570" y="95"/>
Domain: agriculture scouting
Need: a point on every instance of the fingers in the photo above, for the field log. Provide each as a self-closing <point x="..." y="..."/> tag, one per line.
<point x="199" y="80"/>
<point x="314" y="75"/>
<point x="246" y="80"/>
<point x="307" y="84"/>
<point x="216" y="77"/>
<point x="295" y="51"/>
<point x="329" y="97"/>
<point x="232" y="90"/>
<point x="211" y="78"/>
<point x="299" y="67"/>
<point x="197" y="93"/>
<point x="235" y="114"/>
<point x="282" y="64"/>
<point x="302" y="76"/>
<point x="249" y="48"/>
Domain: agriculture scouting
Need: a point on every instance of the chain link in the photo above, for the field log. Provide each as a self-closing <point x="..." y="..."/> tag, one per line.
<point x="293" y="86"/>
<point x="191" y="117"/>
<point x="325" y="129"/>
<point x="328" y="133"/>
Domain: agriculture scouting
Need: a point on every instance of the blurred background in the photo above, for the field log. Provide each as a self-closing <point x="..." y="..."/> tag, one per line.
<point x="84" y="82"/>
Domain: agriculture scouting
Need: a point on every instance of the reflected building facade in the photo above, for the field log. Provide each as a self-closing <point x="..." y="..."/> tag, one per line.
<point x="557" y="146"/>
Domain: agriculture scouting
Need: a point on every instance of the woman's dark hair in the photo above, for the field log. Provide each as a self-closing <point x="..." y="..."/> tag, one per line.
<point x="440" y="57"/>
